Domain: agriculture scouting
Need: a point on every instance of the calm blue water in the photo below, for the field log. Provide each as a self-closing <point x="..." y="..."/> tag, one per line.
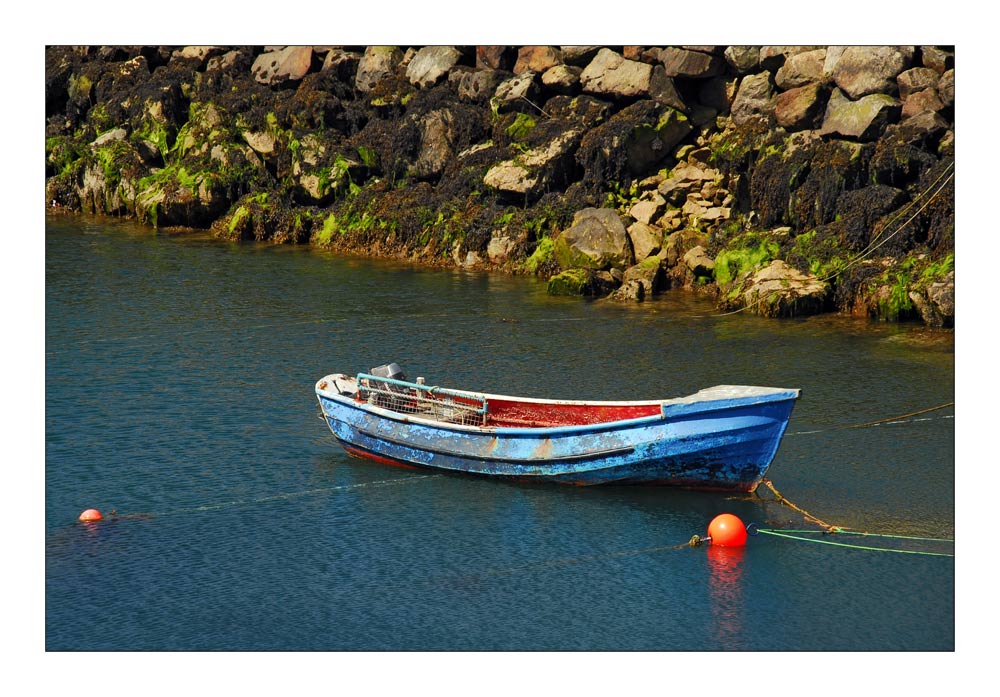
<point x="179" y="392"/>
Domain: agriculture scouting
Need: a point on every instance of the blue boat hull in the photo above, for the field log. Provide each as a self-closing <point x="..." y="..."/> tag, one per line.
<point x="723" y="444"/>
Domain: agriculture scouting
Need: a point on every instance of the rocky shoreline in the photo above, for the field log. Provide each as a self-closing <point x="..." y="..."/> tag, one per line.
<point x="783" y="180"/>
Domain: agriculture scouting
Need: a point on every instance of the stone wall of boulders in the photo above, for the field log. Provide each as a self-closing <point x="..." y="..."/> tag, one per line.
<point x="784" y="180"/>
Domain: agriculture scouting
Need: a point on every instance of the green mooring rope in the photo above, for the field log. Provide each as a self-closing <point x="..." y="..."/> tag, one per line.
<point x="784" y="533"/>
<point x="847" y="531"/>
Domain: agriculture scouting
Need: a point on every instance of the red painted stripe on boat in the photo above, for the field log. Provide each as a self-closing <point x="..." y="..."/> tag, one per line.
<point x="363" y="454"/>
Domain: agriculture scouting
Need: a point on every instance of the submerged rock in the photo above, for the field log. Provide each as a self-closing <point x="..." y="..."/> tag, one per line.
<point x="631" y="291"/>
<point x="581" y="282"/>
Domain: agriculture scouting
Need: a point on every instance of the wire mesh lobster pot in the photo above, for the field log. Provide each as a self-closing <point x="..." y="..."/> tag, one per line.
<point x="433" y="403"/>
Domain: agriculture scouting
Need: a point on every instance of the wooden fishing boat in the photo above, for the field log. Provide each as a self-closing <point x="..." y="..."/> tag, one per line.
<point x="722" y="437"/>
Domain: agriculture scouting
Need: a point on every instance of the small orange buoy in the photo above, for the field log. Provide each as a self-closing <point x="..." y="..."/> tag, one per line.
<point x="726" y="530"/>
<point x="90" y="515"/>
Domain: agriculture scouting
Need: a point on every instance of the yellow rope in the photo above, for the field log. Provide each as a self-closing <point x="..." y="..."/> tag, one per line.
<point x="904" y="416"/>
<point x="808" y="516"/>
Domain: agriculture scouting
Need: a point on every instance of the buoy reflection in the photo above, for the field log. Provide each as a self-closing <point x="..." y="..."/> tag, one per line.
<point x="725" y="589"/>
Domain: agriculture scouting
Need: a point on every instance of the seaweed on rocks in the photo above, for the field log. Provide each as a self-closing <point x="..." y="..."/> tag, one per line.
<point x="938" y="182"/>
<point x="861" y="211"/>
<point x="613" y="153"/>
<point x="897" y="162"/>
<point x="460" y="172"/>
<point x="833" y="170"/>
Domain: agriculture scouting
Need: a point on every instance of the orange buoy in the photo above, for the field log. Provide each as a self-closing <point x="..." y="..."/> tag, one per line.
<point x="726" y="530"/>
<point x="90" y="515"/>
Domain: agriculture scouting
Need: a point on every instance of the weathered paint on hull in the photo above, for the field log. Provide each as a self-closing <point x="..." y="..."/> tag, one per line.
<point x="721" y="444"/>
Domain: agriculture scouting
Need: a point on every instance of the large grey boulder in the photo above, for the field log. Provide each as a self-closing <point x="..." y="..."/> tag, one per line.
<point x="863" y="119"/>
<point x="430" y="64"/>
<point x="100" y="193"/>
<point x="537" y="170"/>
<point x="377" y="63"/>
<point x="779" y="290"/>
<point x="597" y="239"/>
<point x="289" y="64"/>
<point x="613" y="75"/>
<point x="753" y="99"/>
<point x="864" y="70"/>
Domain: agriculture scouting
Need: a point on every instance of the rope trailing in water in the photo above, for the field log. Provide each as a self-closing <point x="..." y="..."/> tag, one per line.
<point x="892" y="419"/>
<point x="836" y="529"/>
<point x="900" y="418"/>
<point x="115" y="515"/>
<point x="784" y="534"/>
<point x="808" y="516"/>
<point x="862" y="534"/>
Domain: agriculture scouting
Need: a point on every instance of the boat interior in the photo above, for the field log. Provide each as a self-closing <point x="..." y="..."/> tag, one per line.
<point x="469" y="408"/>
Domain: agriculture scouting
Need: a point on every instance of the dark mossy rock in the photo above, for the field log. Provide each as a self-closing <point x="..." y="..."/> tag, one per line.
<point x="582" y="282"/>
<point x="635" y="142"/>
